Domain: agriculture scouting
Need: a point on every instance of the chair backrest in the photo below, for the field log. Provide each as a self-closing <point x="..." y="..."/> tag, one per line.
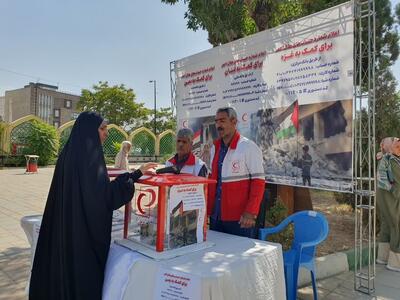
<point x="309" y="227"/>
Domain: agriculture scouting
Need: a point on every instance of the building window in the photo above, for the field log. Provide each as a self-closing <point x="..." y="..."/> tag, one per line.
<point x="56" y="113"/>
<point x="45" y="107"/>
<point x="56" y="124"/>
<point x="68" y="104"/>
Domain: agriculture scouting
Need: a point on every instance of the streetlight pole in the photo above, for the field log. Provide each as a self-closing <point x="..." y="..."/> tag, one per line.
<point x="155" y="105"/>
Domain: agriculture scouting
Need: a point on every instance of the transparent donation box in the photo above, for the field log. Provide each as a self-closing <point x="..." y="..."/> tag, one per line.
<point x="168" y="211"/>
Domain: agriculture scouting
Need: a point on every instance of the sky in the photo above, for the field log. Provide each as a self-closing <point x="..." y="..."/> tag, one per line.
<point x="74" y="44"/>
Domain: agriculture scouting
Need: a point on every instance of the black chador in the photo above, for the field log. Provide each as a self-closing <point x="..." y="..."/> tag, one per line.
<point x="75" y="233"/>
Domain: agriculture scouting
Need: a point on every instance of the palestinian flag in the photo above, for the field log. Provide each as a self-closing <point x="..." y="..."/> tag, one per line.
<point x="196" y="137"/>
<point x="290" y="124"/>
<point x="177" y="210"/>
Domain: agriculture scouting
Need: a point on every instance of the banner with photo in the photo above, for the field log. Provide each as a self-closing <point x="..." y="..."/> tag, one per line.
<point x="292" y="87"/>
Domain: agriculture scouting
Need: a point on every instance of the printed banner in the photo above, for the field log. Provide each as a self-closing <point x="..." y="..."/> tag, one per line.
<point x="292" y="87"/>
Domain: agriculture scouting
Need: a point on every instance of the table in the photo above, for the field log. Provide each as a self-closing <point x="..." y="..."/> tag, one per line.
<point x="31" y="226"/>
<point x="235" y="268"/>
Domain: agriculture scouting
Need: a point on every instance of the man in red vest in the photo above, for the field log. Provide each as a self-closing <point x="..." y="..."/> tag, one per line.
<point x="237" y="165"/>
<point x="184" y="159"/>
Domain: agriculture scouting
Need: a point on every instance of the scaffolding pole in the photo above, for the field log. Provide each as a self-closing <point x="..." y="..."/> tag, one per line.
<point x="173" y="86"/>
<point x="364" y="147"/>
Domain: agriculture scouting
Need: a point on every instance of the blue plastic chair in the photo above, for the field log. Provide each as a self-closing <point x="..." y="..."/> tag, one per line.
<point x="310" y="229"/>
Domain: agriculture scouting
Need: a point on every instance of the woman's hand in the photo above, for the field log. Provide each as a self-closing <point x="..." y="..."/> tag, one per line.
<point x="148" y="168"/>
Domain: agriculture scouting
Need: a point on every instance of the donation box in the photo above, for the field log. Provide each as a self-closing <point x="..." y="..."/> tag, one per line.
<point x="168" y="211"/>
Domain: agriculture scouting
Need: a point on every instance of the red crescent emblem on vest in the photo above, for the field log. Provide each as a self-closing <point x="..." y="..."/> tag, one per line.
<point x="236" y="166"/>
<point x="185" y="124"/>
<point x="244" y="117"/>
<point x="140" y="198"/>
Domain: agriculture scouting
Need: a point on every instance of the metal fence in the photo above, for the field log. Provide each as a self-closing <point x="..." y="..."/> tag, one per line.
<point x="143" y="143"/>
<point x="115" y="137"/>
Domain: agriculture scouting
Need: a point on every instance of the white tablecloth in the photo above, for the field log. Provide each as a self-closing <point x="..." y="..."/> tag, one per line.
<point x="29" y="223"/>
<point x="235" y="268"/>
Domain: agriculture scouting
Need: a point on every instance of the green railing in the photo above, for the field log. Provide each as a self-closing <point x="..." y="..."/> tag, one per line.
<point x="144" y="142"/>
<point x="167" y="143"/>
<point x="18" y="135"/>
<point x="115" y="136"/>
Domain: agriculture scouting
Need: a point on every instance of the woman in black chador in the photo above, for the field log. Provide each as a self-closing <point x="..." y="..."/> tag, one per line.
<point x="75" y="234"/>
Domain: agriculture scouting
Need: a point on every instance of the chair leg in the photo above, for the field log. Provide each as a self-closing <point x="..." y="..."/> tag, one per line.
<point x="291" y="276"/>
<point x="314" y="284"/>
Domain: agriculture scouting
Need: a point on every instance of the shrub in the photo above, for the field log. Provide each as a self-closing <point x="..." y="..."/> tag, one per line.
<point x="275" y="215"/>
<point x="109" y="160"/>
<point x="15" y="161"/>
<point x="42" y="140"/>
<point x="117" y="146"/>
<point x="344" y="198"/>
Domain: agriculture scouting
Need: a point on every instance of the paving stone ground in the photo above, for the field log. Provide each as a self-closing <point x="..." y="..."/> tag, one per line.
<point x="22" y="195"/>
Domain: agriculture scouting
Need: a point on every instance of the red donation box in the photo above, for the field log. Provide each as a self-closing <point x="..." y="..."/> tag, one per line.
<point x="168" y="211"/>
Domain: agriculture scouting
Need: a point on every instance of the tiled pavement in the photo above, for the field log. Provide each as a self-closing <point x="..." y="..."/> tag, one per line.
<point x="22" y="195"/>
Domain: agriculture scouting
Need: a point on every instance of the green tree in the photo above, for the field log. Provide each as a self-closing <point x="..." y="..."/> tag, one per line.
<point x="115" y="103"/>
<point x="387" y="107"/>
<point x="165" y="120"/>
<point x="387" y="52"/>
<point x="228" y="20"/>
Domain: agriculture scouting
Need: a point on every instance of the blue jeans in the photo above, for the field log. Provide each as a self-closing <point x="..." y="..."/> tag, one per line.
<point x="232" y="227"/>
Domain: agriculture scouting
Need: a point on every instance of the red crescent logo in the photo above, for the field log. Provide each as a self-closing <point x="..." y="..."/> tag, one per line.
<point x="185" y="124"/>
<point x="244" y="117"/>
<point x="236" y="166"/>
<point x="140" y="198"/>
